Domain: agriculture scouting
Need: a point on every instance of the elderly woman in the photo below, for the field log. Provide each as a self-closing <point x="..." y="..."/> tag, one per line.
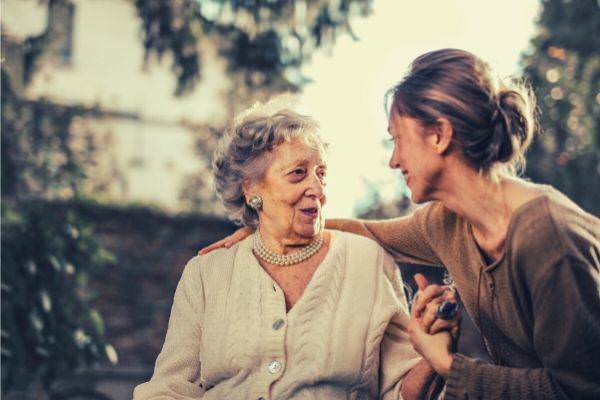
<point x="292" y="311"/>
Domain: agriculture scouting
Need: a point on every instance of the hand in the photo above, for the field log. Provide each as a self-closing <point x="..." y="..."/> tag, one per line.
<point x="428" y="299"/>
<point x="435" y="349"/>
<point x="229" y="241"/>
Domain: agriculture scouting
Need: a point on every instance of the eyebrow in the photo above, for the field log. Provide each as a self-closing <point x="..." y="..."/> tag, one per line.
<point x="297" y="161"/>
<point x="300" y="161"/>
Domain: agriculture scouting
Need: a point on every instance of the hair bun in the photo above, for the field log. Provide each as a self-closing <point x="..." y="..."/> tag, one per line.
<point x="512" y="125"/>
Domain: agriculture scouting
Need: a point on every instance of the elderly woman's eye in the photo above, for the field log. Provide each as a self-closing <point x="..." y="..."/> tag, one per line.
<point x="298" y="171"/>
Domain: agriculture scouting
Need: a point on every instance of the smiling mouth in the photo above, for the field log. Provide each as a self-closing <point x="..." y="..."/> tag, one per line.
<point x="312" y="212"/>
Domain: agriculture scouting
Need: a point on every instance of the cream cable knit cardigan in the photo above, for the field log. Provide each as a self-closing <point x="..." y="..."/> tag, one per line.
<point x="229" y="336"/>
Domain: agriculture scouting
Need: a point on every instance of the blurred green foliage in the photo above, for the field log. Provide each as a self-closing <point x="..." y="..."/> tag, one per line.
<point x="266" y="40"/>
<point x="48" y="326"/>
<point x="39" y="157"/>
<point x="564" y="70"/>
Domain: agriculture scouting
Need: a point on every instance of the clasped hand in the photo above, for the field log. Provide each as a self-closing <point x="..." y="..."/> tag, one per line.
<point x="432" y="337"/>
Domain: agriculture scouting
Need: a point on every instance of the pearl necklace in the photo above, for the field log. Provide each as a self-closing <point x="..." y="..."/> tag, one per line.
<point x="286" y="259"/>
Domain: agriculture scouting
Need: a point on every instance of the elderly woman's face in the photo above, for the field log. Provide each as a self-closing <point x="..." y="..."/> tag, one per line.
<point x="292" y="191"/>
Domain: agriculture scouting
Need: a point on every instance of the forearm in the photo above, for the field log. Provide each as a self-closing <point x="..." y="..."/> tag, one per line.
<point x="402" y="237"/>
<point x="476" y="379"/>
<point x="355" y="226"/>
<point x="419" y="383"/>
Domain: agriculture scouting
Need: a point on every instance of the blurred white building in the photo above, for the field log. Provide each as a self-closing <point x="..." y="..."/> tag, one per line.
<point x="93" y="57"/>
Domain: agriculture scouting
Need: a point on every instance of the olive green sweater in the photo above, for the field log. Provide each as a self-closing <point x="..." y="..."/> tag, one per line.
<point x="537" y="307"/>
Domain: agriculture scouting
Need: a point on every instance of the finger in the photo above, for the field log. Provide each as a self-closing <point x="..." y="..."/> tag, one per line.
<point x="414" y="328"/>
<point x="237" y="236"/>
<point x="416" y="336"/>
<point x="430" y="313"/>
<point x="442" y="325"/>
<point x="421" y="281"/>
<point x="427" y="295"/>
<point x="455" y="332"/>
<point x="413" y="309"/>
<point x="214" y="246"/>
<point x="241" y="234"/>
<point x="450" y="295"/>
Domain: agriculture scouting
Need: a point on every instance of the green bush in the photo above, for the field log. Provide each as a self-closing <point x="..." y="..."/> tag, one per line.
<point x="48" y="326"/>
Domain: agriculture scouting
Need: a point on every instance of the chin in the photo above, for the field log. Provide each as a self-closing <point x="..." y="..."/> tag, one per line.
<point x="418" y="196"/>
<point x="309" y="232"/>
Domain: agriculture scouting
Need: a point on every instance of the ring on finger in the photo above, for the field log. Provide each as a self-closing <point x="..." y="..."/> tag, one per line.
<point x="447" y="310"/>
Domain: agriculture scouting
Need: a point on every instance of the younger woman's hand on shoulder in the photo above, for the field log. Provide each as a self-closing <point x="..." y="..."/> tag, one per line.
<point x="227" y="242"/>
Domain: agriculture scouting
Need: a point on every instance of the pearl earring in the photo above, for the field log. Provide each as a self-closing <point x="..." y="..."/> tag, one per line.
<point x="255" y="202"/>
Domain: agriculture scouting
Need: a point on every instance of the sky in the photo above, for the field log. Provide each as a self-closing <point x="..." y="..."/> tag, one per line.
<point x="348" y="84"/>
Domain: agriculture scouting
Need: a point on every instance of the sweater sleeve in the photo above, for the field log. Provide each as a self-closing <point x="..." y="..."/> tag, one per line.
<point x="406" y="238"/>
<point x="566" y="332"/>
<point x="397" y="355"/>
<point x="177" y="369"/>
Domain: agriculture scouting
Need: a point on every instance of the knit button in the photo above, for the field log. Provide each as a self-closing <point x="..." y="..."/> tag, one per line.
<point x="274" y="367"/>
<point x="278" y="324"/>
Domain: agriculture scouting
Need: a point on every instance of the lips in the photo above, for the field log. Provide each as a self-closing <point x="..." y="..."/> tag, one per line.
<point x="311" y="212"/>
<point x="406" y="175"/>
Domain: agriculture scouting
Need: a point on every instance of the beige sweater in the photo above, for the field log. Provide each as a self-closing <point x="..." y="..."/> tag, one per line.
<point x="229" y="336"/>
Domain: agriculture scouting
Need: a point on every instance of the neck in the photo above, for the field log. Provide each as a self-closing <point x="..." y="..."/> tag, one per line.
<point x="284" y="243"/>
<point x="480" y="200"/>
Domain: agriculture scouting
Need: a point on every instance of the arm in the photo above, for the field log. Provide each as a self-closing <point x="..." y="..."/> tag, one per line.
<point x="177" y="369"/>
<point x="566" y="337"/>
<point x="403" y="374"/>
<point x="405" y="238"/>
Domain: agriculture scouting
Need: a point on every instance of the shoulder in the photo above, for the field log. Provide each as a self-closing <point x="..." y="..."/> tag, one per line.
<point x="551" y="227"/>
<point x="358" y="246"/>
<point x="440" y="226"/>
<point x="217" y="263"/>
<point x="352" y="240"/>
<point x="366" y="254"/>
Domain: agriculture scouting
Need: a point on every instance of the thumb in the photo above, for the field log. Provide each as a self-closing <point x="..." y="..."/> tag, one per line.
<point x="421" y="281"/>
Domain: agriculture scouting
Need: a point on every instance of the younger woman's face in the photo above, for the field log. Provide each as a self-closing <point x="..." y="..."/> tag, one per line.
<point x="293" y="192"/>
<point x="415" y="156"/>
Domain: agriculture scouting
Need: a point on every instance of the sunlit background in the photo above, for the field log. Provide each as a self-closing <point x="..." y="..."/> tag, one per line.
<point x="111" y="110"/>
<point x="147" y="149"/>
<point x="346" y="94"/>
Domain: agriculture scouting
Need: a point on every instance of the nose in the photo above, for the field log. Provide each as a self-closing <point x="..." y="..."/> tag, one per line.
<point x="394" y="162"/>
<point x="316" y="187"/>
